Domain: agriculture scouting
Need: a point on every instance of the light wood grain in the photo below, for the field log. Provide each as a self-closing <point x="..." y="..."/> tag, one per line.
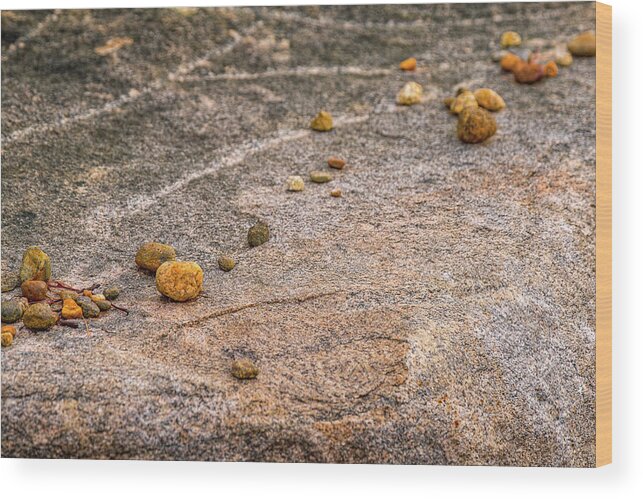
<point x="603" y="234"/>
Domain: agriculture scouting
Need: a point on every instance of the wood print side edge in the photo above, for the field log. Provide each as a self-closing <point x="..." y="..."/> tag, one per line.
<point x="603" y="234"/>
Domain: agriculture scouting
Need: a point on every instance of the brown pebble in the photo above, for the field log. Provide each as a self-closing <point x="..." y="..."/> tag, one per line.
<point x="550" y="69"/>
<point x="583" y="45"/>
<point x="509" y="61"/>
<point x="336" y="193"/>
<point x="335" y="162"/>
<point x="528" y="72"/>
<point x="475" y="125"/>
<point x="34" y="290"/>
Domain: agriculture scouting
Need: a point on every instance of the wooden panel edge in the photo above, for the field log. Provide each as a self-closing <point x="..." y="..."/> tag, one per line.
<point x="603" y="234"/>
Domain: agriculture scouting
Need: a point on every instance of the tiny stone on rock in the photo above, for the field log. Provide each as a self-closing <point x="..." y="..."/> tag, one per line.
<point x="111" y="292"/>
<point x="295" y="183"/>
<point x="411" y="93"/>
<point x="489" y="99"/>
<point x="320" y="177"/>
<point x="89" y="308"/>
<point x="244" y="369"/>
<point x="179" y="281"/>
<point x="510" y="39"/>
<point x="151" y="256"/>
<point x="226" y="263"/>
<point x="12" y="311"/>
<point x="323" y="122"/>
<point x="408" y="64"/>
<point x="475" y="125"/>
<point x="39" y="316"/>
<point x="9" y="329"/>
<point x="337" y="163"/>
<point x="258" y="234"/>
<point x="583" y="45"/>
<point x="7" y="339"/>
<point x="34" y="290"/>
<point x="71" y="310"/>
<point x="336" y="193"/>
<point x="36" y="265"/>
<point x="463" y="100"/>
<point x="10" y="281"/>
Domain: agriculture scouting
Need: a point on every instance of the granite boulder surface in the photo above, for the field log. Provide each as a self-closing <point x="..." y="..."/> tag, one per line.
<point x="440" y="312"/>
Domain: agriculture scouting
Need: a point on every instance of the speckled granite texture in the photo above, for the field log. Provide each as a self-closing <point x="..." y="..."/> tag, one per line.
<point x="440" y="312"/>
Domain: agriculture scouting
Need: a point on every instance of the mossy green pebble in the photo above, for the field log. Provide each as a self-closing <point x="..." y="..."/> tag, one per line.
<point x="39" y="316"/>
<point x="320" y="177"/>
<point x="112" y="292"/>
<point x="226" y="263"/>
<point x="66" y="294"/>
<point x="151" y="256"/>
<point x="36" y="265"/>
<point x="244" y="369"/>
<point x="258" y="234"/>
<point x="10" y="281"/>
<point x="90" y="309"/>
<point x="12" y="311"/>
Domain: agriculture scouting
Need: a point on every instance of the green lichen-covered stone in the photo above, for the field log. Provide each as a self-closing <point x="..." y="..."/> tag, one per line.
<point x="36" y="265"/>
<point x="320" y="177"/>
<point x="111" y="292"/>
<point x="258" y="234"/>
<point x="90" y="309"/>
<point x="10" y="281"/>
<point x="226" y="263"/>
<point x="12" y="311"/>
<point x="244" y="369"/>
<point x="39" y="316"/>
<point x="67" y="294"/>
<point x="103" y="305"/>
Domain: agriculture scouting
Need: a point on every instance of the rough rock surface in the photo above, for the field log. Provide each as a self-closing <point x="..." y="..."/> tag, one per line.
<point x="441" y="311"/>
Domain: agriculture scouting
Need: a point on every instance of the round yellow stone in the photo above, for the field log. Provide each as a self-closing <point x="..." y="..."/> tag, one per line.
<point x="179" y="281"/>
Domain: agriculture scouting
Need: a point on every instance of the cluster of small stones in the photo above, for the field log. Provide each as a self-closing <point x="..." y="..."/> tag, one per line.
<point x="180" y="281"/>
<point x="45" y="302"/>
<point x="530" y="66"/>
<point x="475" y="122"/>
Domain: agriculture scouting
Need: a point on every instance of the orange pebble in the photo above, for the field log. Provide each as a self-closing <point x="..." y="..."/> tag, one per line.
<point x="526" y="72"/>
<point x="9" y="329"/>
<point x="551" y="69"/>
<point x="335" y="162"/>
<point x="509" y="61"/>
<point x="408" y="64"/>
<point x="71" y="310"/>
